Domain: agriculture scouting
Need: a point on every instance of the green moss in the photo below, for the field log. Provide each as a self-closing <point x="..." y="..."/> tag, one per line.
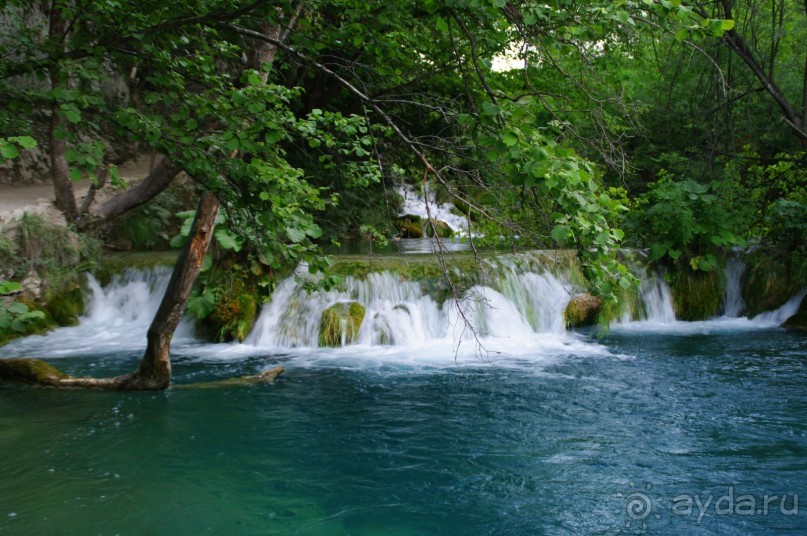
<point x="410" y="226"/>
<point x="439" y="227"/>
<point x="582" y="310"/>
<point x="234" y="313"/>
<point x="338" y="321"/>
<point x="766" y="284"/>
<point x="799" y="320"/>
<point x="697" y="295"/>
<point x="65" y="306"/>
<point x="33" y="371"/>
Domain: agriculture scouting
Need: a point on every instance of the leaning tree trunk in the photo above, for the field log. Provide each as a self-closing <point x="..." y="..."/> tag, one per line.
<point x="154" y="371"/>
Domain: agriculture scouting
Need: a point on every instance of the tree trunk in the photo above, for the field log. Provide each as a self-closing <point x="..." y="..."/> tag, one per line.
<point x="62" y="185"/>
<point x="154" y="371"/>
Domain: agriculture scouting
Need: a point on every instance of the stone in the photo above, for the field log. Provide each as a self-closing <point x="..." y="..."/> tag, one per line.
<point x="582" y="310"/>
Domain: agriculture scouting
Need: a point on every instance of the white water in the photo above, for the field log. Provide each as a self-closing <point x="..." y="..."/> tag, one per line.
<point x="523" y="316"/>
<point x="514" y="320"/>
<point x="657" y="313"/>
<point x="116" y="319"/>
<point x="416" y="204"/>
<point x="733" y="303"/>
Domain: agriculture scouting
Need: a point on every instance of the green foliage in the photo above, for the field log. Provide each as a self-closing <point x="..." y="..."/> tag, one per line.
<point x="153" y="225"/>
<point x="682" y="223"/>
<point x="10" y="147"/>
<point x="56" y="256"/>
<point x="577" y="211"/>
<point x="53" y="251"/>
<point x="697" y="295"/>
<point x="15" y="317"/>
<point x="365" y="87"/>
<point x="225" y="304"/>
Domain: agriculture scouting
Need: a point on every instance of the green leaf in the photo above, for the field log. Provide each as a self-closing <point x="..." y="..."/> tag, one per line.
<point x="178" y="241"/>
<point x="18" y="308"/>
<point x="295" y="235"/>
<point x="488" y="108"/>
<point x="226" y="240"/>
<point x="727" y="24"/>
<point x="26" y="142"/>
<point x="9" y="151"/>
<point x="253" y="79"/>
<point x="71" y="114"/>
<point x="7" y="287"/>
<point x="560" y="233"/>
<point x="510" y="139"/>
<point x="314" y="231"/>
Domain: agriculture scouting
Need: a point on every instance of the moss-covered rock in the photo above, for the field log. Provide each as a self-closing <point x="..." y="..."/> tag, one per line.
<point x="234" y="314"/>
<point x="697" y="295"/>
<point x="582" y="310"/>
<point x="410" y="226"/>
<point x="439" y="227"/>
<point x="766" y="284"/>
<point x="799" y="320"/>
<point x="340" y="323"/>
<point x="65" y="306"/>
<point x="32" y="371"/>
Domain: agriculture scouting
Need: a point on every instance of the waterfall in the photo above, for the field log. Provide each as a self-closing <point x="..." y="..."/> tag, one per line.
<point x="116" y="318"/>
<point x="399" y="312"/>
<point x="654" y="301"/>
<point x="733" y="303"/>
<point x="778" y="316"/>
<point x="513" y="305"/>
<point x="130" y="299"/>
<point x="415" y="204"/>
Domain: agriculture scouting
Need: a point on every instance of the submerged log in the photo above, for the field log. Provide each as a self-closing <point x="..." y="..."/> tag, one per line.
<point x="37" y="372"/>
<point x="30" y="371"/>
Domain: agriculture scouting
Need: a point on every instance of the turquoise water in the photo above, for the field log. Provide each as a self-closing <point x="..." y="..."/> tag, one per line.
<point x="608" y="442"/>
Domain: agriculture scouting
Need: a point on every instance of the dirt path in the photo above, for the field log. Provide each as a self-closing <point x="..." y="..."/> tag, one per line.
<point x="15" y="200"/>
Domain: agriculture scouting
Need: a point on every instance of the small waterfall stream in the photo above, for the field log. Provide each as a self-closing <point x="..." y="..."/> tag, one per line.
<point x="415" y="204"/>
<point x="733" y="303"/>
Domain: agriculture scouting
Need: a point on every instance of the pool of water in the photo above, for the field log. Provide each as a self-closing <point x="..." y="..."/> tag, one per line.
<point x="663" y="432"/>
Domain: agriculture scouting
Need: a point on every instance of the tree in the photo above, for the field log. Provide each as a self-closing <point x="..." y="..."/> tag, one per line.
<point x="351" y="83"/>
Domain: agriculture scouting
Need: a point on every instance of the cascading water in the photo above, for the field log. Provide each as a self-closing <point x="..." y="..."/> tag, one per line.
<point x="514" y="308"/>
<point x="656" y="313"/>
<point x="733" y="303"/>
<point x="415" y="204"/>
<point x="655" y="303"/>
<point x="117" y="317"/>
<point x="402" y="313"/>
